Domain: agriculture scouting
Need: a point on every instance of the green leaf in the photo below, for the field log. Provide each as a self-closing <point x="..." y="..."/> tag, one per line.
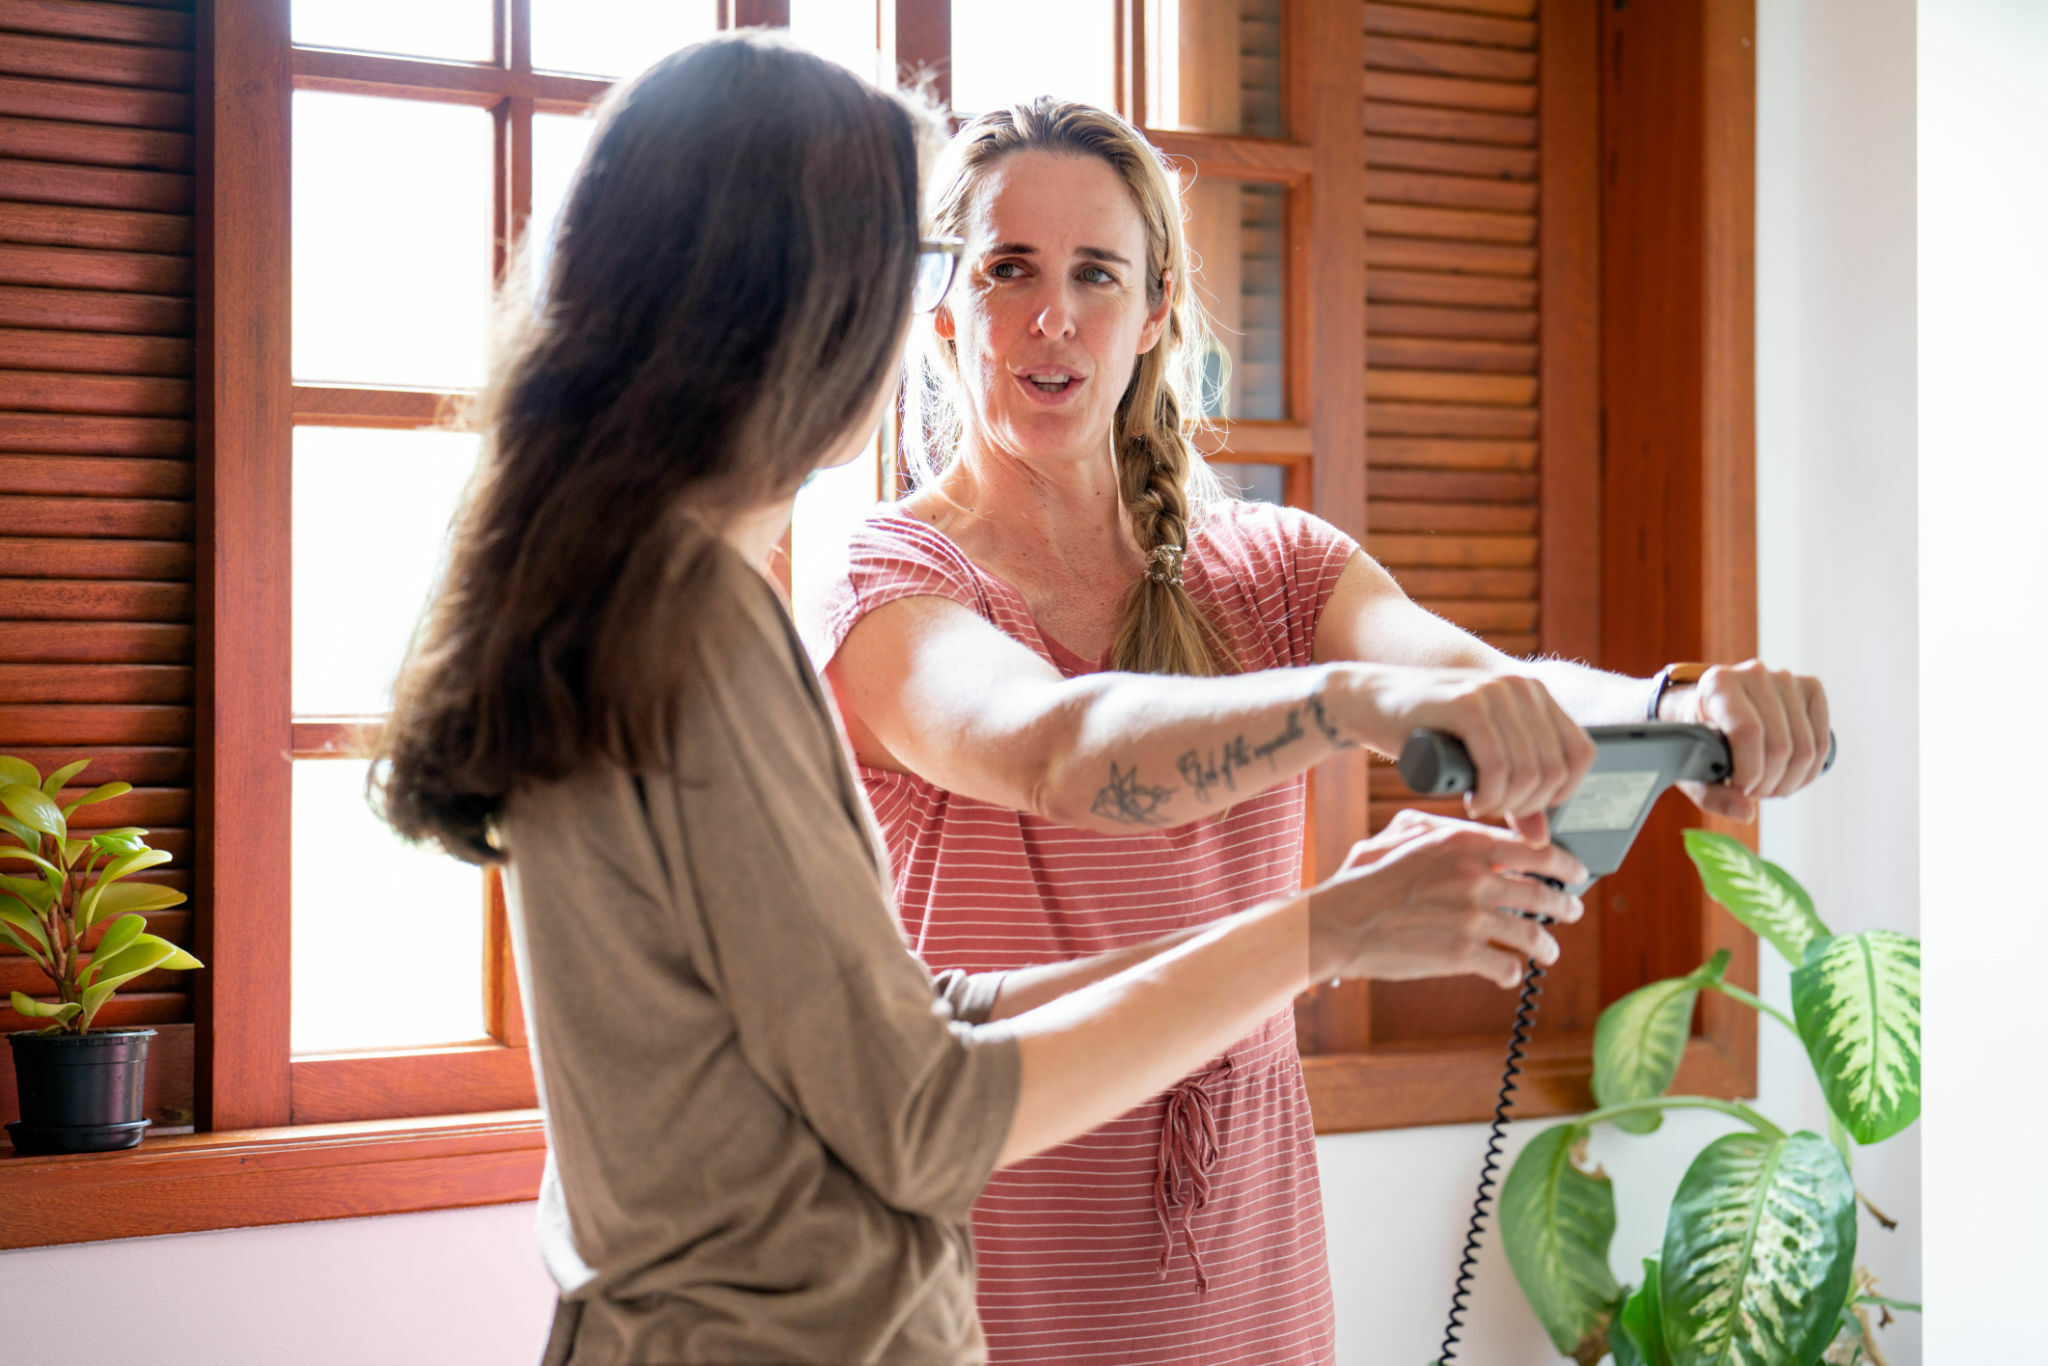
<point x="29" y="838"/>
<point x="33" y="809"/>
<point x="1556" y="1222"/>
<point x="1757" y="892"/>
<point x="1857" y="1001"/>
<point x="88" y="906"/>
<point x="54" y="784"/>
<point x="123" y="897"/>
<point x="37" y="1010"/>
<point x="13" y="770"/>
<point x="25" y="923"/>
<point x="105" y="792"/>
<point x="1641" y="1339"/>
<point x="132" y="863"/>
<point x="1758" y="1252"/>
<point x="93" y="998"/>
<point x="50" y="870"/>
<point x="148" y="952"/>
<point x="33" y="891"/>
<point x="119" y="936"/>
<point x="1640" y="1041"/>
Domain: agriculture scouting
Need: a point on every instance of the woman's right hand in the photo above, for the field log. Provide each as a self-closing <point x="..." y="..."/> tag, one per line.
<point x="1426" y="898"/>
<point x="1527" y="753"/>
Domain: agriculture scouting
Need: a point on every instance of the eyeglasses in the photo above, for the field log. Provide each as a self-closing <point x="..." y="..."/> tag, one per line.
<point x="937" y="259"/>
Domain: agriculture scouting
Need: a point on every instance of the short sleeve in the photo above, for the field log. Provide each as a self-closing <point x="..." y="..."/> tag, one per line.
<point x="889" y="557"/>
<point x="1275" y="569"/>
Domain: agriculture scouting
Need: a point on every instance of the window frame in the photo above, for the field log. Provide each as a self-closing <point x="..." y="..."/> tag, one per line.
<point x="250" y="1164"/>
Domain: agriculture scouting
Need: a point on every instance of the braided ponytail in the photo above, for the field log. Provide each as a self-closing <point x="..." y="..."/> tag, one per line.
<point x="1164" y="630"/>
<point x="1163" y="481"/>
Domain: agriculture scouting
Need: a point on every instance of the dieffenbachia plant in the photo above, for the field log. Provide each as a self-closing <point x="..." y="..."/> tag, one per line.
<point x="1758" y="1262"/>
<point x="56" y="892"/>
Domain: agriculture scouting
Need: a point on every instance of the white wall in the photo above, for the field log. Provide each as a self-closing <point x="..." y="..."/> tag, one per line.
<point x="458" y="1288"/>
<point x="1836" y="571"/>
<point x="1983" y="93"/>
<point x="1837" y="537"/>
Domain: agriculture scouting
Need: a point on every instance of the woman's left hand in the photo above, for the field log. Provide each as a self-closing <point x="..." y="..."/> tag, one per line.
<point x="1777" y="728"/>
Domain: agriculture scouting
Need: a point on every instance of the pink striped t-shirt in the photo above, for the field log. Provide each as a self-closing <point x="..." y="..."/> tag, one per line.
<point x="1190" y="1229"/>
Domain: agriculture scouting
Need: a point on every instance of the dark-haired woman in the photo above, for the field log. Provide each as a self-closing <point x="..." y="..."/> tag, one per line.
<point x="766" y="1121"/>
<point x="1042" y="798"/>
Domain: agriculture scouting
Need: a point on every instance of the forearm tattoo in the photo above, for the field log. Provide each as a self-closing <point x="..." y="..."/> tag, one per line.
<point x="1127" y="801"/>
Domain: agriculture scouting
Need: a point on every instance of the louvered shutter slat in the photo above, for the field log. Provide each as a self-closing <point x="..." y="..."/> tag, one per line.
<point x="1452" y="317"/>
<point x="96" y="442"/>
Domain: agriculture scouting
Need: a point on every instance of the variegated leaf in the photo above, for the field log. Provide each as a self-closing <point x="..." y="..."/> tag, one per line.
<point x="1857" y="1001"/>
<point x="1556" y="1222"/>
<point x="1757" y="892"/>
<point x="1758" y="1251"/>
<point x="1640" y="1041"/>
<point x="1640" y="1341"/>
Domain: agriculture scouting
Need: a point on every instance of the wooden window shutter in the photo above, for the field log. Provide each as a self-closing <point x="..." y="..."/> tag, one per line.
<point x="1453" y="330"/>
<point x="96" y="449"/>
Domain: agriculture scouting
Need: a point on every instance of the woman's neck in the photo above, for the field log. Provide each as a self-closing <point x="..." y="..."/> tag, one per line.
<point x="1063" y="509"/>
<point x="756" y="534"/>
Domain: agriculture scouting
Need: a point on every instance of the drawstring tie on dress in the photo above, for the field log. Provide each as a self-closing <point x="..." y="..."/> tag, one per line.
<point x="1188" y="1151"/>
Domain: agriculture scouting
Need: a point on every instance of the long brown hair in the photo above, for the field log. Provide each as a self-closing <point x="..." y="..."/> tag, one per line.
<point x="724" y="297"/>
<point x="1164" y="483"/>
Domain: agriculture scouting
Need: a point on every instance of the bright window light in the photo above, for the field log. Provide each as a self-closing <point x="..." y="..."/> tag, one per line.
<point x="370" y="514"/>
<point x="391" y="241"/>
<point x="459" y="30"/>
<point x="387" y="940"/>
<point x="1003" y="55"/>
<point x="616" y="38"/>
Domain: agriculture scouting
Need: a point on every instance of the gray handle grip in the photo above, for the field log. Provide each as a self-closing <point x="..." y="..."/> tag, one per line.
<point x="1434" y="763"/>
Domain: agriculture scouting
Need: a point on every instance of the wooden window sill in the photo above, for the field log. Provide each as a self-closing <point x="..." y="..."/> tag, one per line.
<point x="194" y="1182"/>
<point x="1407" y="1085"/>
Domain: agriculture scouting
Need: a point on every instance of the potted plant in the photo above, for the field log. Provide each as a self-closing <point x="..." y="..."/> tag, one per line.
<point x="73" y="912"/>
<point x="1758" y="1264"/>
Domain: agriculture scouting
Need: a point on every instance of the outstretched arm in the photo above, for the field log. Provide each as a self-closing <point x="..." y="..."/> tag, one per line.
<point x="1776" y="722"/>
<point x="928" y="687"/>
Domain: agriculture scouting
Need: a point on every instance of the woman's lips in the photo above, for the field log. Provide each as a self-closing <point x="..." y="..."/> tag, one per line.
<point x="1043" y="394"/>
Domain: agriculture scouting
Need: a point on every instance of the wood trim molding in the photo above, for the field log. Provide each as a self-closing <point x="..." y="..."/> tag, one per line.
<point x="472" y="83"/>
<point x="1568" y="351"/>
<point x="1235" y="158"/>
<point x="414" y="1082"/>
<point x="365" y="406"/>
<point x="242" y="861"/>
<point x="195" y="1182"/>
<point x="1401" y="1087"/>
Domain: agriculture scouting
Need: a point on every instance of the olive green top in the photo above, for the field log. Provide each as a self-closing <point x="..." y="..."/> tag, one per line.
<point x="766" y="1122"/>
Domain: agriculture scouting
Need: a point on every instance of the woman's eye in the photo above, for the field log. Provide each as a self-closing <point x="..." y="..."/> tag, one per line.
<point x="1005" y="270"/>
<point x="1096" y="275"/>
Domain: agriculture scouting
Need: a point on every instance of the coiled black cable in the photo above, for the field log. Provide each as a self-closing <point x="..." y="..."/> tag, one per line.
<point x="1489" y="1170"/>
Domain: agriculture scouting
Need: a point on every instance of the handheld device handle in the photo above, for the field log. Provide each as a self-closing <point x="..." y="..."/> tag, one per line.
<point x="1435" y="763"/>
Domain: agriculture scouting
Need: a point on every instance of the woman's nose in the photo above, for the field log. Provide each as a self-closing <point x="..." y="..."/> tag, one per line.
<point x="1054" y="316"/>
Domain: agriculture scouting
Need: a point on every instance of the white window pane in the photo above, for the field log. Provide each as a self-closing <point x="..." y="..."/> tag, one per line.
<point x="1236" y="231"/>
<point x="559" y="141"/>
<point x="387" y="940"/>
<point x="370" y="513"/>
<point x="391" y="241"/>
<point x="455" y="29"/>
<point x="1254" y="483"/>
<point x="842" y="30"/>
<point x="828" y="507"/>
<point x="616" y="37"/>
<point x="1214" y="65"/>
<point x="1004" y="54"/>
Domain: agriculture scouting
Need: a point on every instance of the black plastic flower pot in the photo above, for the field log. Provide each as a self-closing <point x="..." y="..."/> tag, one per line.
<point x="80" y="1093"/>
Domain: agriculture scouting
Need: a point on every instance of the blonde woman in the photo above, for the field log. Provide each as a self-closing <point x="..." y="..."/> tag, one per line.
<point x="1001" y="645"/>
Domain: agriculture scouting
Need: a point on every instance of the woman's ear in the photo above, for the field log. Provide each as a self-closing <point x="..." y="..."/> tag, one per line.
<point x="942" y="322"/>
<point x="1155" y="321"/>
